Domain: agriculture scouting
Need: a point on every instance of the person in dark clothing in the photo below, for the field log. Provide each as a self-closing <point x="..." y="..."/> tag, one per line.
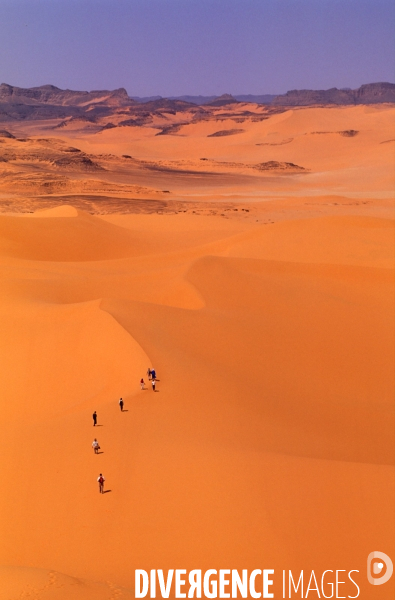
<point x="121" y="404"/>
<point x="94" y="416"/>
<point x="101" y="481"/>
<point x="149" y="373"/>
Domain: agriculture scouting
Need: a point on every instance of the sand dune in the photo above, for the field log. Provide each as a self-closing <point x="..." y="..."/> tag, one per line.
<point x="341" y="240"/>
<point x="39" y="583"/>
<point x="66" y="239"/>
<point x="269" y="441"/>
<point x="58" y="211"/>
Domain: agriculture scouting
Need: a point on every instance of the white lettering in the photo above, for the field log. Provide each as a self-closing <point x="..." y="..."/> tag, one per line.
<point x="313" y="589"/>
<point x="179" y="583"/>
<point x="241" y="584"/>
<point x="152" y="584"/>
<point x="138" y="591"/>
<point x="356" y="585"/>
<point x="165" y="589"/>
<point x="223" y="582"/>
<point x="300" y="581"/>
<point x="206" y="584"/>
<point x="267" y="582"/>
<point x="337" y="582"/>
<point x="327" y="583"/>
<point x="195" y="581"/>
<point x="253" y="592"/>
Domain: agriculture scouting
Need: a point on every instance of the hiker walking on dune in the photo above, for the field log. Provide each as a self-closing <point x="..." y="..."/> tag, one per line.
<point x="121" y="404"/>
<point x="95" y="446"/>
<point x="94" y="416"/>
<point x="142" y="383"/>
<point x="149" y="373"/>
<point x="153" y="374"/>
<point x="153" y="383"/>
<point x="101" y="481"/>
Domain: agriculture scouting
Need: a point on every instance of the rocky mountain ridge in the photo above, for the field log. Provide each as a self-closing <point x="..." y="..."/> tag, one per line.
<point x="371" y="93"/>
<point x="110" y="108"/>
<point x="50" y="94"/>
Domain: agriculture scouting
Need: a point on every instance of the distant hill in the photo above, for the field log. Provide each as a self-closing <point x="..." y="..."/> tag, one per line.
<point x="144" y="99"/>
<point x="371" y="93"/>
<point x="49" y="94"/>
<point x="50" y="102"/>
<point x="256" y="99"/>
<point x="201" y="100"/>
<point x="98" y="106"/>
<point x="222" y="100"/>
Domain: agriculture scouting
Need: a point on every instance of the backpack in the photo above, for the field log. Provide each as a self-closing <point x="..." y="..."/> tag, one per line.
<point x="101" y="480"/>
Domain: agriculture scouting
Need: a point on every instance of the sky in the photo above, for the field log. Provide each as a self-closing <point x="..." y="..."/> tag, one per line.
<point x="207" y="47"/>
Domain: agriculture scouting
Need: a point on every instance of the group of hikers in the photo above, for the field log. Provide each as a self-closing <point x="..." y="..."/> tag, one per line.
<point x="151" y="373"/>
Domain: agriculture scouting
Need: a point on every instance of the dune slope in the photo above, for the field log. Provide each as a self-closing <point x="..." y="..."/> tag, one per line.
<point x="272" y="419"/>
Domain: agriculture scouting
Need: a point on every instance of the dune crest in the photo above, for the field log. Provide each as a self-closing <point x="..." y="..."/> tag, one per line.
<point x="83" y="238"/>
<point x="57" y="211"/>
<point x="83" y="358"/>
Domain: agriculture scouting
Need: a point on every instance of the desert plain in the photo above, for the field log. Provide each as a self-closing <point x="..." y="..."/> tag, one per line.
<point x="248" y="256"/>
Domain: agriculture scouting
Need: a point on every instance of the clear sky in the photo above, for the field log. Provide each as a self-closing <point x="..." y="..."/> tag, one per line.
<point x="175" y="47"/>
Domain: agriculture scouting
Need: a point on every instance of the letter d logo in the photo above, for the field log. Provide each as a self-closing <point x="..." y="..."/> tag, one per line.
<point x="376" y="562"/>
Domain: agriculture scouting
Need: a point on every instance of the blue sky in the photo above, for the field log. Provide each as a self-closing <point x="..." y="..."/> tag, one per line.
<point x="175" y="47"/>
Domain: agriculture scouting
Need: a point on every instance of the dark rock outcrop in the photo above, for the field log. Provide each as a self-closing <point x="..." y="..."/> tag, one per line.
<point x="371" y="93"/>
<point x="223" y="100"/>
<point x="224" y="132"/>
<point x="6" y="134"/>
<point x="49" y="94"/>
<point x="274" y="165"/>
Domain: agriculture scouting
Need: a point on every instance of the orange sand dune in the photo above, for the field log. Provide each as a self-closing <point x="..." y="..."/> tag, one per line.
<point x="17" y="582"/>
<point x="269" y="441"/>
<point x="66" y="239"/>
<point x="340" y="240"/>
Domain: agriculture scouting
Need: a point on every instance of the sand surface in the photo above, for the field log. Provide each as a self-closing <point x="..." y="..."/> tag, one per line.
<point x="269" y="441"/>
